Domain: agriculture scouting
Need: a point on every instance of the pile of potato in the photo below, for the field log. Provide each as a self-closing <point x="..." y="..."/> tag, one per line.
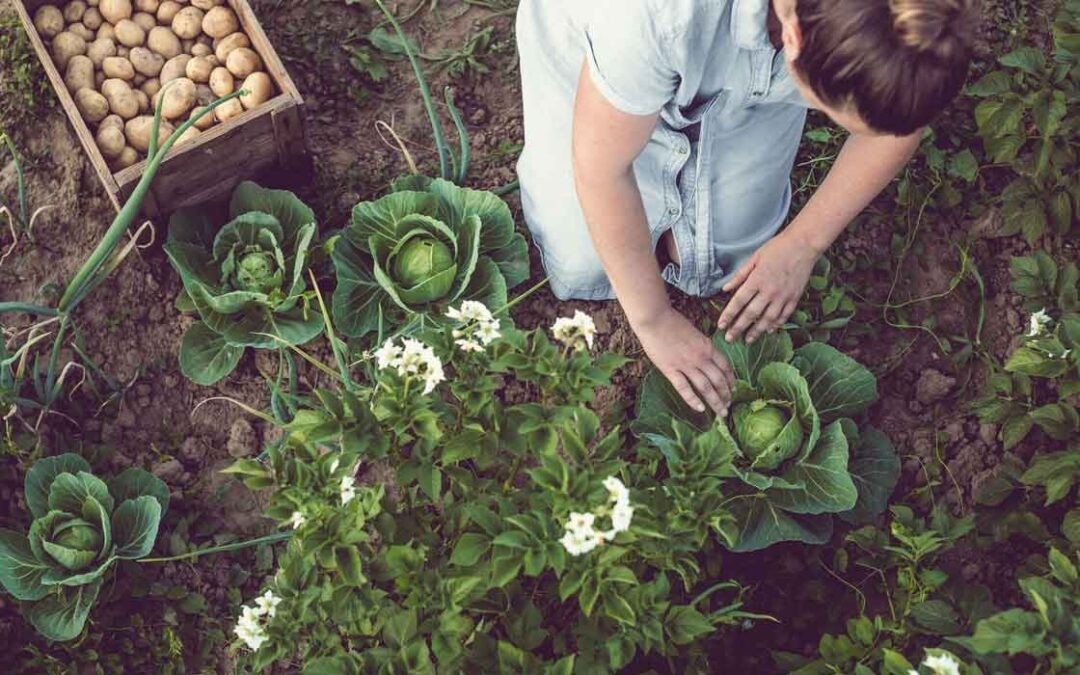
<point x="116" y="56"/>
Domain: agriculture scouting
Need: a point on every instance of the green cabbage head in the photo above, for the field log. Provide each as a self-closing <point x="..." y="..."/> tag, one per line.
<point x="81" y="526"/>
<point x="246" y="275"/>
<point x="420" y="249"/>
<point x="795" y="455"/>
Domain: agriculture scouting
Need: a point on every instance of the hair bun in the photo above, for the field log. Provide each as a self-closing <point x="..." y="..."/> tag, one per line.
<point x="939" y="26"/>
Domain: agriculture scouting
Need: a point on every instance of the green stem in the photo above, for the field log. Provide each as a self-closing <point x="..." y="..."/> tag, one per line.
<point x="20" y="181"/>
<point x="224" y="548"/>
<point x="512" y="186"/>
<point x="463" y="137"/>
<point x="6" y="307"/>
<point x="425" y="93"/>
<point x="522" y="298"/>
<point x="130" y="211"/>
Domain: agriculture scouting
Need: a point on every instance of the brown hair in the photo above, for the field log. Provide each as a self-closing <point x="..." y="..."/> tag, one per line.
<point x="898" y="62"/>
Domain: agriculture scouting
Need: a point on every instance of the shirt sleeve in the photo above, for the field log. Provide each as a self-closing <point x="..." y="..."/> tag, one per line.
<point x="625" y="56"/>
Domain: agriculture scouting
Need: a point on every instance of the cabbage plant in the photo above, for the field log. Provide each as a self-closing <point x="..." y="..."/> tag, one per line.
<point x="81" y="526"/>
<point x="797" y="456"/>
<point x="418" y="250"/>
<point x="246" y="278"/>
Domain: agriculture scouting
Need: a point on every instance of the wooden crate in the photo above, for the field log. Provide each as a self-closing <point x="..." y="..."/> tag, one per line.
<point x="210" y="166"/>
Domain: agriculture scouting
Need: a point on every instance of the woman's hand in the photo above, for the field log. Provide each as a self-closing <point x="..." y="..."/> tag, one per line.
<point x="688" y="359"/>
<point x="768" y="287"/>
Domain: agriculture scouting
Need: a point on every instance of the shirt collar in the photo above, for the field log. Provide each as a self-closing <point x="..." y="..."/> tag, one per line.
<point x="750" y="24"/>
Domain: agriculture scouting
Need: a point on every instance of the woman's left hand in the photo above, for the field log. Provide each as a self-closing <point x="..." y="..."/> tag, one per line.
<point x="768" y="287"/>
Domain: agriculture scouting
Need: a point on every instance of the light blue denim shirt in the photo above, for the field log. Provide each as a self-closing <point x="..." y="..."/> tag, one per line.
<point x="716" y="171"/>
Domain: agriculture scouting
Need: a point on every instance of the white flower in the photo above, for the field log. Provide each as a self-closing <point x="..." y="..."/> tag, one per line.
<point x="579" y="543"/>
<point x="581" y="522"/>
<point x="335" y="464"/>
<point x="1040" y="321"/>
<point x="267" y="604"/>
<point x="471" y="310"/>
<point x="469" y="345"/>
<point x="488" y="332"/>
<point x="253" y="635"/>
<point x="944" y="664"/>
<point x="348" y="489"/>
<point x="388" y="356"/>
<point x="434" y="375"/>
<point x="912" y="672"/>
<point x="572" y="330"/>
<point x="297" y="520"/>
<point x="617" y="490"/>
<point x="621" y="517"/>
<point x="249" y="616"/>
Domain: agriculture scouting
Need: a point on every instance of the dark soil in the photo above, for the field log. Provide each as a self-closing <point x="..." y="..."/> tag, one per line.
<point x="131" y="330"/>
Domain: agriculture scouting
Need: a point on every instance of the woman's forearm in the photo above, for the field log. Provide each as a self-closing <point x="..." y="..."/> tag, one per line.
<point x="865" y="166"/>
<point x="619" y="228"/>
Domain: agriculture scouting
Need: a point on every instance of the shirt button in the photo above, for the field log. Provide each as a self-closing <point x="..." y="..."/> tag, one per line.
<point x="683" y="150"/>
<point x="674" y="210"/>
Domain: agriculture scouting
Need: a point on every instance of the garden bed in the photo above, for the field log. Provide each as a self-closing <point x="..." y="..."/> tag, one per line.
<point x="152" y="418"/>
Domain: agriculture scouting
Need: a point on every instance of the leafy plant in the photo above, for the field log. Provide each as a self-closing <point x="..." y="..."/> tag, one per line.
<point x="82" y="525"/>
<point x="826" y="307"/>
<point x="408" y="256"/>
<point x="1024" y="121"/>
<point x="798" y="458"/>
<point x="1049" y="633"/>
<point x="247" y="279"/>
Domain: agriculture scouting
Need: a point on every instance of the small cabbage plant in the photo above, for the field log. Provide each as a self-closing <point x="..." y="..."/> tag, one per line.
<point x="247" y="279"/>
<point x="797" y="456"/>
<point x="81" y="526"/>
<point x="418" y="250"/>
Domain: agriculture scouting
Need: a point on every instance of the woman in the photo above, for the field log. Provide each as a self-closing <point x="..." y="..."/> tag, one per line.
<point x="660" y="136"/>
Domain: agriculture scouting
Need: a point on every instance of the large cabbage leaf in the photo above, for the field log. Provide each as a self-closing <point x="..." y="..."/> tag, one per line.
<point x="804" y="460"/>
<point x="420" y="249"/>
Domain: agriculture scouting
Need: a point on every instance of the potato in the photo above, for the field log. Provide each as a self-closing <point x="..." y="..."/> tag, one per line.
<point x="187" y="24"/>
<point x="138" y="80"/>
<point x="205" y="122"/>
<point x="228" y="110"/>
<point x="107" y="32"/>
<point x="80" y="73"/>
<point x="92" y="105"/>
<point x="129" y="157"/>
<point x="138" y="132"/>
<point x="115" y="11"/>
<point x="99" y="50"/>
<point x="92" y="19"/>
<point x="259" y="88"/>
<point x="243" y="62"/>
<point x="220" y="22"/>
<point x="121" y="98"/>
<point x="66" y="45"/>
<point x="130" y="34"/>
<point x="199" y="49"/>
<point x="113" y="121"/>
<point x="150" y="6"/>
<point x="164" y="42"/>
<point x="203" y="95"/>
<point x="228" y="44"/>
<point x="175" y="67"/>
<point x="178" y="98"/>
<point x="167" y="11"/>
<point x="82" y="31"/>
<point x="145" y="21"/>
<point x="119" y="68"/>
<point x="191" y="134"/>
<point x="222" y="82"/>
<point x="151" y="87"/>
<point x="146" y="62"/>
<point x="199" y="69"/>
<point x="48" y="21"/>
<point x="144" y="100"/>
<point x="74" y="11"/>
<point x="111" y="141"/>
<point x="206" y="5"/>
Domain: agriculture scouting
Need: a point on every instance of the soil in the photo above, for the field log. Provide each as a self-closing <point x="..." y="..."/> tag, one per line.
<point x="131" y="330"/>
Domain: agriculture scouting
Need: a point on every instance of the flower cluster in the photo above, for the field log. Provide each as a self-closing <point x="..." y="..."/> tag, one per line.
<point x="578" y="331"/>
<point x="250" y="627"/>
<point x="412" y="359"/>
<point x="581" y="534"/>
<point x="478" y="329"/>
<point x="1040" y="322"/>
<point x="940" y="664"/>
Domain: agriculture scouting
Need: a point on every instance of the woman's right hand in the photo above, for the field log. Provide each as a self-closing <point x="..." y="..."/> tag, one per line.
<point x="688" y="359"/>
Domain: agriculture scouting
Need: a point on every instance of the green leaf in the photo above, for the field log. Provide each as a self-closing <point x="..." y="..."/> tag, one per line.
<point x="20" y="570"/>
<point x="839" y="385"/>
<point x="1015" y="430"/>
<point x="936" y="616"/>
<point x="1028" y="59"/>
<point x="205" y="356"/>
<point x="748" y="360"/>
<point x="62" y="614"/>
<point x="1058" y="420"/>
<point x="469" y="549"/>
<point x="284" y="206"/>
<point x="1011" y="632"/>
<point x="684" y="625"/>
<point x="69" y="492"/>
<point x="829" y="487"/>
<point x="964" y="165"/>
<point x="349" y="565"/>
<point x="991" y="84"/>
<point x="1070" y="526"/>
<point x="135" y="527"/>
<point x="875" y="469"/>
<point x="1035" y="363"/>
<point x="134" y="483"/>
<point x="1062" y="568"/>
<point x="41" y="475"/>
<point x="760" y="524"/>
